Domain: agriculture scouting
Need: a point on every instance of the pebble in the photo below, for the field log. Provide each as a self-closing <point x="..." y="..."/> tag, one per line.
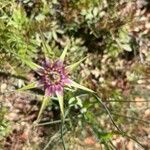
<point x="147" y="25"/>
<point x="147" y="114"/>
<point x="12" y="116"/>
<point x="3" y="87"/>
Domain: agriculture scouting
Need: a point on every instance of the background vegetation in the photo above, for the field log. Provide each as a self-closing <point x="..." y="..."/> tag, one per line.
<point x="114" y="34"/>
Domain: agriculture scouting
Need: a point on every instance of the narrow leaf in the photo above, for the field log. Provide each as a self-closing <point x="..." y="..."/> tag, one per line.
<point x="61" y="102"/>
<point x="32" y="65"/>
<point x="62" y="57"/>
<point x="76" y="85"/>
<point x="55" y="36"/>
<point x="28" y="87"/>
<point x="73" y="66"/>
<point x="44" y="104"/>
<point x="46" y="48"/>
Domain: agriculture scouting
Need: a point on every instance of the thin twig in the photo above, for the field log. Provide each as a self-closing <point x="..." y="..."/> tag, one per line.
<point x="112" y="120"/>
<point x="148" y="122"/>
<point x="111" y="143"/>
<point x="107" y="112"/>
<point x="57" y="134"/>
<point x="62" y="137"/>
<point x="125" y="101"/>
<point x="52" y="122"/>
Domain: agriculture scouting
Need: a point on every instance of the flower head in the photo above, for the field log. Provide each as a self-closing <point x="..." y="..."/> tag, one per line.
<point x="54" y="77"/>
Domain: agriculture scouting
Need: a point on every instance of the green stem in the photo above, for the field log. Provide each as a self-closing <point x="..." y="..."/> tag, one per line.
<point x="112" y="120"/>
<point x="63" y="142"/>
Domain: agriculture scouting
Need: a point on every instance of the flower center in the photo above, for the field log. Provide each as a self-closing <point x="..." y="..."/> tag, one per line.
<point x="54" y="77"/>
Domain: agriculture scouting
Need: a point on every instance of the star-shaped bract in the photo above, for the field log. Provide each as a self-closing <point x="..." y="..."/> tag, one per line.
<point x="54" y="76"/>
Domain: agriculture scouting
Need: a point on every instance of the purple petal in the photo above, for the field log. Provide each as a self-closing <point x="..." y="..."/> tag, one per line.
<point x="58" y="64"/>
<point x="58" y="87"/>
<point x="67" y="81"/>
<point x="60" y="91"/>
<point x="53" y="89"/>
<point x="48" y="91"/>
<point x="47" y="63"/>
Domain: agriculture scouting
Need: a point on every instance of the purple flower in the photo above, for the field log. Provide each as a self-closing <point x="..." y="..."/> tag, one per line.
<point x="54" y="77"/>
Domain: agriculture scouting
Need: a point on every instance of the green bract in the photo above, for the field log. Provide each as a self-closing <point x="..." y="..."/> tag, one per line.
<point x="48" y="73"/>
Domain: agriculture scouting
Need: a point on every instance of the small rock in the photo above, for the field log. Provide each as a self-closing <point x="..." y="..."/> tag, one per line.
<point x="147" y="25"/>
<point x="12" y="116"/>
<point x="3" y="87"/>
<point x="142" y="3"/>
<point x="130" y="145"/>
<point x="147" y="114"/>
<point x="138" y="101"/>
<point x="89" y="141"/>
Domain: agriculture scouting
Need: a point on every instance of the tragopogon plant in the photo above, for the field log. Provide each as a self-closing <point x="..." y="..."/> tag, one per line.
<point x="54" y="76"/>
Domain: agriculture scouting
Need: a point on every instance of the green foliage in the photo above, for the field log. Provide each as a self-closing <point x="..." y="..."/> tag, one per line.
<point x="16" y="41"/>
<point x="5" y="126"/>
<point x="32" y="30"/>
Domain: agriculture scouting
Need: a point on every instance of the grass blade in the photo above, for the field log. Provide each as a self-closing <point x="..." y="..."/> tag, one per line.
<point x="73" y="66"/>
<point x="44" y="104"/>
<point x="76" y="85"/>
<point x="28" y="87"/>
<point x="62" y="57"/>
